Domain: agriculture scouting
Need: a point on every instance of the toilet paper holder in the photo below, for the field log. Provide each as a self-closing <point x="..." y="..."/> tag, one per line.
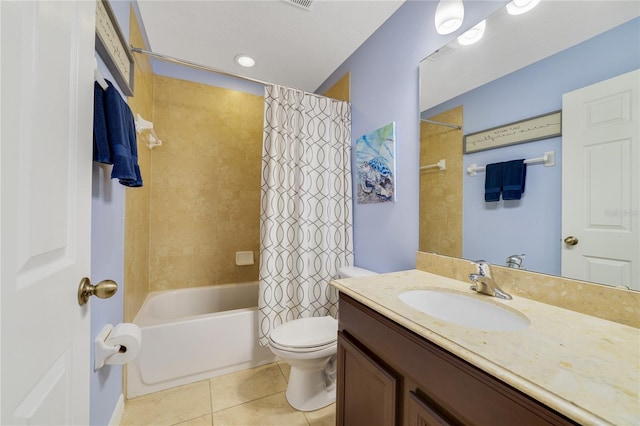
<point x="102" y="350"/>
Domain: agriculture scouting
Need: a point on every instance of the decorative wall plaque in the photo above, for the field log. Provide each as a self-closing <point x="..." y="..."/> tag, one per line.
<point x="532" y="129"/>
<point x="113" y="48"/>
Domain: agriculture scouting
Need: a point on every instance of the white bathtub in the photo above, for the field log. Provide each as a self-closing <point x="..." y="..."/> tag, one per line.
<point x="195" y="334"/>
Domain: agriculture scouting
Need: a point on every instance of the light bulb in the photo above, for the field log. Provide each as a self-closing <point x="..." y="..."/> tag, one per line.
<point x="518" y="7"/>
<point x="473" y="35"/>
<point x="449" y="16"/>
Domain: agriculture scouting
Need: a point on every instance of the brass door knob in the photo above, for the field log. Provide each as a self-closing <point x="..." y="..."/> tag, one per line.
<point x="104" y="290"/>
<point x="571" y="241"/>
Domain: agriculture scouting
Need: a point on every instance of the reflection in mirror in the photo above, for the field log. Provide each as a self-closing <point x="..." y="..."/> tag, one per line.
<point x="521" y="69"/>
<point x="441" y="228"/>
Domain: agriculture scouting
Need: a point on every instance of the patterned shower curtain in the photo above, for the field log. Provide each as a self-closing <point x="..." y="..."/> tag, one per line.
<point x="306" y="230"/>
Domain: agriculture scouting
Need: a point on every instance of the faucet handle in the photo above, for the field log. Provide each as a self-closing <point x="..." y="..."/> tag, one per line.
<point x="483" y="267"/>
<point x="515" y="261"/>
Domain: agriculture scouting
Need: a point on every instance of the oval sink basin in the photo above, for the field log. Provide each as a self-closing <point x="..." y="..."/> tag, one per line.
<point x="464" y="310"/>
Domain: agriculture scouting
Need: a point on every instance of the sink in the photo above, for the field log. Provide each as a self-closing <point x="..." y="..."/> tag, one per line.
<point x="469" y="311"/>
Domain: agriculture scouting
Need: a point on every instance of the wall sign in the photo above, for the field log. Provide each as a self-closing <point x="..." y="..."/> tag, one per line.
<point x="113" y="47"/>
<point x="532" y="129"/>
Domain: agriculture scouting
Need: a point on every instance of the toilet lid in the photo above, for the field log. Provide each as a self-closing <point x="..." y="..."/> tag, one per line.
<point x="306" y="332"/>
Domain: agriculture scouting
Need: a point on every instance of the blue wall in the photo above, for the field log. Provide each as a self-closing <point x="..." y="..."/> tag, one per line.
<point x="493" y="231"/>
<point x="384" y="88"/>
<point x="107" y="262"/>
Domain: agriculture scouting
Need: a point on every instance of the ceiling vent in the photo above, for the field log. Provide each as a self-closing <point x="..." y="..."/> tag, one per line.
<point x="304" y="4"/>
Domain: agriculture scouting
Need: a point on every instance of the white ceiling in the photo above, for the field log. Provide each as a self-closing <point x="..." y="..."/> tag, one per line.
<point x="292" y="46"/>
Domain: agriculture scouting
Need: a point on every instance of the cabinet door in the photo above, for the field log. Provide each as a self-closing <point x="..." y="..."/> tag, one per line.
<point x="422" y="414"/>
<point x="367" y="392"/>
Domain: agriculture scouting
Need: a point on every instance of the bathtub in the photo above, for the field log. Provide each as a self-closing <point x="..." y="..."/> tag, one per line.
<point x="195" y="334"/>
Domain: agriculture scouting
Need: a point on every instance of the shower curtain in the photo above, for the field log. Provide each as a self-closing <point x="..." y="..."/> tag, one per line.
<point x="306" y="230"/>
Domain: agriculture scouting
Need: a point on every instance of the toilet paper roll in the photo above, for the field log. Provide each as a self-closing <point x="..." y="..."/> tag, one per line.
<point x="129" y="337"/>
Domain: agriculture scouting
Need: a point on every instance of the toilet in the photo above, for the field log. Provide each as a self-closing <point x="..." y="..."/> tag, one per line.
<point x="309" y="346"/>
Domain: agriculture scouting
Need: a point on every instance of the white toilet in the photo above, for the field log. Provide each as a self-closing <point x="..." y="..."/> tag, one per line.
<point x="309" y="346"/>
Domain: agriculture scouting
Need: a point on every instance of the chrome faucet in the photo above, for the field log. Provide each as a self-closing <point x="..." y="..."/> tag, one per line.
<point x="484" y="281"/>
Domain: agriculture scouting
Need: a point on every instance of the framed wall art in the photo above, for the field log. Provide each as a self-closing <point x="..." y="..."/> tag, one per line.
<point x="375" y="162"/>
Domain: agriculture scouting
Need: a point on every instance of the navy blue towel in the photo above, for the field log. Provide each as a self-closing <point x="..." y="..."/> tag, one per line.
<point x="121" y="131"/>
<point x="493" y="182"/>
<point x="101" y="151"/>
<point x="515" y="173"/>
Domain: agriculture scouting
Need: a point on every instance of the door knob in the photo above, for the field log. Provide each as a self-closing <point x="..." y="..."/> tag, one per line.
<point x="104" y="290"/>
<point x="571" y="241"/>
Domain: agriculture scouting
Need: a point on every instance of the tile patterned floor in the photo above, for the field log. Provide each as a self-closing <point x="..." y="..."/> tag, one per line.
<point x="252" y="397"/>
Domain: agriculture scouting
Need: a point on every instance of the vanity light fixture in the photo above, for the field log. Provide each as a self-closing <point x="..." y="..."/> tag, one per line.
<point x="449" y="16"/>
<point x="245" y="61"/>
<point x="473" y="35"/>
<point x="518" y="7"/>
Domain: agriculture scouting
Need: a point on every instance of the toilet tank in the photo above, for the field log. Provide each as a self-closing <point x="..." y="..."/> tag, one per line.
<point x="354" y="271"/>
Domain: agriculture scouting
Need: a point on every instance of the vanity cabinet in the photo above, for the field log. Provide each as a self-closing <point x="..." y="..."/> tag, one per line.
<point x="388" y="375"/>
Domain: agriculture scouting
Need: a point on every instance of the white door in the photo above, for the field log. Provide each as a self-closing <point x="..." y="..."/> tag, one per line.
<point x="45" y="200"/>
<point x="601" y="182"/>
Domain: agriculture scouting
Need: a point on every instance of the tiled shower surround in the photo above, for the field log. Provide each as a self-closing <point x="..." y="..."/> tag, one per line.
<point x="205" y="184"/>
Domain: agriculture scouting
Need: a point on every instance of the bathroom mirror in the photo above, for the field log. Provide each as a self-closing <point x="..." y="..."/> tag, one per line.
<point x="588" y="42"/>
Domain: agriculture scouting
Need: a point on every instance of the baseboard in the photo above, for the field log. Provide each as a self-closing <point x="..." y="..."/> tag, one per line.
<point x="118" y="412"/>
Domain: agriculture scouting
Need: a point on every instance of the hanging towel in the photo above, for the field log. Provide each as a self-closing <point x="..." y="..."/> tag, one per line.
<point x="121" y="132"/>
<point x="514" y="175"/>
<point x="101" y="151"/>
<point x="493" y="182"/>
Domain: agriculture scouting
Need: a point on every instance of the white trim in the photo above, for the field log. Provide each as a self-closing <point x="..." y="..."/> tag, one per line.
<point x="118" y="412"/>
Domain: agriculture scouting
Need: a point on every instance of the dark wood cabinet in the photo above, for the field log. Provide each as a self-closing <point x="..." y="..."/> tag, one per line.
<point x="388" y="375"/>
<point x="371" y="389"/>
<point x="422" y="414"/>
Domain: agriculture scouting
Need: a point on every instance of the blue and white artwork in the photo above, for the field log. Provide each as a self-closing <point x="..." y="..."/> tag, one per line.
<point x="375" y="162"/>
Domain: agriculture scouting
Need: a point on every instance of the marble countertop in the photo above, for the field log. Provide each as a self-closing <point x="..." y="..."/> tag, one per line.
<point x="581" y="366"/>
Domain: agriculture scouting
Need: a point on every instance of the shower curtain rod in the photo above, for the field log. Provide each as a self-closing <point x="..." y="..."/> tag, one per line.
<point x="453" y="126"/>
<point x="194" y="65"/>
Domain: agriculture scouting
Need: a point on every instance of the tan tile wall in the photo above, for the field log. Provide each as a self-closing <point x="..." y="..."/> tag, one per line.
<point x="610" y="303"/>
<point x="136" y="244"/>
<point x="205" y="188"/>
<point x="341" y="90"/>
<point x="441" y="191"/>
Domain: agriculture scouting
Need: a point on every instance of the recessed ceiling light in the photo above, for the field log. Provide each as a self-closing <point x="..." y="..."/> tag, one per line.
<point x="245" y="61"/>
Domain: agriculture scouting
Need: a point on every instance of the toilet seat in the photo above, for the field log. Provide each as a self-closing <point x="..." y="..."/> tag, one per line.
<point x="305" y="334"/>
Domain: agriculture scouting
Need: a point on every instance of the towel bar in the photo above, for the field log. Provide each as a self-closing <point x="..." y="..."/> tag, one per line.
<point x="549" y="160"/>
<point x="440" y="164"/>
<point x="142" y="125"/>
